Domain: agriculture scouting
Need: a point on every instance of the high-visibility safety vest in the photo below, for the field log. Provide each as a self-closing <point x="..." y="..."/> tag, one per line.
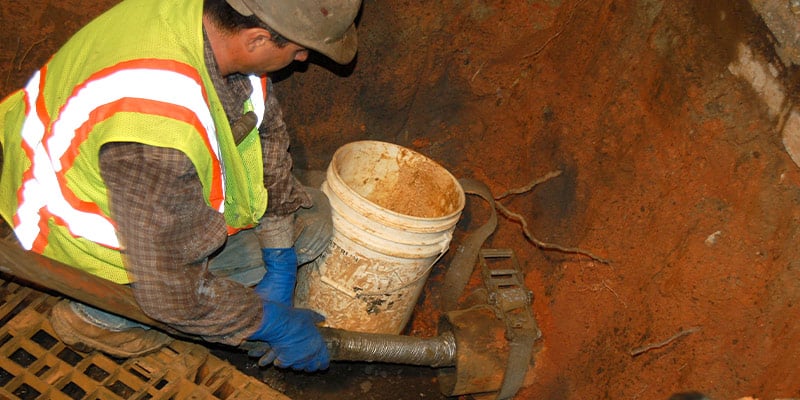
<point x="134" y="74"/>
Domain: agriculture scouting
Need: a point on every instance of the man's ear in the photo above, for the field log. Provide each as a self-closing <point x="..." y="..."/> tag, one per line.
<point x="255" y="38"/>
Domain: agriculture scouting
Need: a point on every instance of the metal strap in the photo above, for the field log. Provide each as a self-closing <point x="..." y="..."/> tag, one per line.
<point x="463" y="262"/>
<point x="507" y="292"/>
<point x="512" y="302"/>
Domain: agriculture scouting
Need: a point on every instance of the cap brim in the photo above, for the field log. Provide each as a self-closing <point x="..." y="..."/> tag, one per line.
<point x="341" y="51"/>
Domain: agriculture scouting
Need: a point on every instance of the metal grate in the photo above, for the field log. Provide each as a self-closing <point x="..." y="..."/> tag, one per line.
<point x="35" y="364"/>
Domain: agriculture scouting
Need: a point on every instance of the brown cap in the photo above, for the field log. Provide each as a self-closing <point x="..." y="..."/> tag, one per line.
<point x="323" y="25"/>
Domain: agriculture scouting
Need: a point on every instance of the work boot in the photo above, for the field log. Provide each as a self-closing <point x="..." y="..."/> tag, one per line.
<point x="84" y="336"/>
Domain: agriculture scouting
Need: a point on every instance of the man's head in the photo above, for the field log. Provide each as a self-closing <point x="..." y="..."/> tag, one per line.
<point x="245" y="44"/>
<point x="233" y="22"/>
<point x="326" y="26"/>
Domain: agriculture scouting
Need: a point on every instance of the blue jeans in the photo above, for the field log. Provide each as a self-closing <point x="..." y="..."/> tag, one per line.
<point x="240" y="260"/>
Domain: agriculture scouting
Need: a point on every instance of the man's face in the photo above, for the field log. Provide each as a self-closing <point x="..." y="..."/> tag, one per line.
<point x="265" y="56"/>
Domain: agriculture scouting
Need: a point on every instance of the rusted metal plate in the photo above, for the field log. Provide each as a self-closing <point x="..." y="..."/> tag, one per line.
<point x="482" y="352"/>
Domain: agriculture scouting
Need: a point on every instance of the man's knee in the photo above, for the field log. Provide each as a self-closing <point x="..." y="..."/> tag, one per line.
<point x="313" y="227"/>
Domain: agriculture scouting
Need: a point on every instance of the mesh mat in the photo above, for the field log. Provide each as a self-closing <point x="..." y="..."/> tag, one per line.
<point x="34" y="364"/>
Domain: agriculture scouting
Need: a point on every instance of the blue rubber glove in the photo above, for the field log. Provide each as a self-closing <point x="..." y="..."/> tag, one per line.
<point x="277" y="285"/>
<point x="293" y="337"/>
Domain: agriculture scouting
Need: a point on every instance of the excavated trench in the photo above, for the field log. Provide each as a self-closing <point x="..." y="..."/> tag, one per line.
<point x="663" y="255"/>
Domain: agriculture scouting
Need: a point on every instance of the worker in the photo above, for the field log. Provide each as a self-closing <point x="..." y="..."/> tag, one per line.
<point x="150" y="151"/>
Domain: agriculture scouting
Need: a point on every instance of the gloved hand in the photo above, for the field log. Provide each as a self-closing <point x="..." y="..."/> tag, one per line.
<point x="295" y="341"/>
<point x="277" y="285"/>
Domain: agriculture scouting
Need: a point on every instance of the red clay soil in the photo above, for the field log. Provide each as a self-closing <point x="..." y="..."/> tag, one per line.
<point x="670" y="168"/>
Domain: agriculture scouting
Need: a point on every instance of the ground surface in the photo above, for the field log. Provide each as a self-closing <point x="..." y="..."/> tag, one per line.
<point x="670" y="168"/>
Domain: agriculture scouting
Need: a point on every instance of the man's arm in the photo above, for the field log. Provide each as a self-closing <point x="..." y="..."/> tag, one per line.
<point x="286" y="193"/>
<point x="167" y="233"/>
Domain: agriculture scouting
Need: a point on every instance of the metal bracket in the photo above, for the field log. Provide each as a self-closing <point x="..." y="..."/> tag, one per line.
<point x="512" y="301"/>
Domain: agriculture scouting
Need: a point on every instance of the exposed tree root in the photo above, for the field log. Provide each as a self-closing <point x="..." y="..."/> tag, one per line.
<point x="643" y="349"/>
<point x="519" y="218"/>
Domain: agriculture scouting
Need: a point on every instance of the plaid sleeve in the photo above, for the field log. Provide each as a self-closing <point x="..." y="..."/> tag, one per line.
<point x="167" y="232"/>
<point x="286" y="193"/>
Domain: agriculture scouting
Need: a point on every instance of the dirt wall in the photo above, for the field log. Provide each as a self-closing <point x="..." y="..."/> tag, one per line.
<point x="671" y="167"/>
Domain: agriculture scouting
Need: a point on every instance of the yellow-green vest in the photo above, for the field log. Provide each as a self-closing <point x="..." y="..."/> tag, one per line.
<point x="134" y="74"/>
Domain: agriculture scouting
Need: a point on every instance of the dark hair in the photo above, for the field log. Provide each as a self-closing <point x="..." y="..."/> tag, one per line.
<point x="230" y="20"/>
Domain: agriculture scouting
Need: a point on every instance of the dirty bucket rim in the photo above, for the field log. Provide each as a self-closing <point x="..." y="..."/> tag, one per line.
<point x="461" y="195"/>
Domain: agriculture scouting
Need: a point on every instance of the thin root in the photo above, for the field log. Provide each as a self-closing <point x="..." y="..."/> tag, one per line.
<point x="528" y="187"/>
<point x="614" y="292"/>
<point x="643" y="349"/>
<point x="543" y="245"/>
<point x="25" y="55"/>
<point x="549" y="40"/>
<point x="477" y="72"/>
<point x="519" y="218"/>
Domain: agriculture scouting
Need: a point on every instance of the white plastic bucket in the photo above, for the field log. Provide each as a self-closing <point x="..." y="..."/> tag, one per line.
<point x="394" y="211"/>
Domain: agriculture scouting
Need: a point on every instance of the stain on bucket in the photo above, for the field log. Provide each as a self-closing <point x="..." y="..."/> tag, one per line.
<point x="394" y="211"/>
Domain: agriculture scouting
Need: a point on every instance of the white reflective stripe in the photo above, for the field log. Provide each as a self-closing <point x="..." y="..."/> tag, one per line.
<point x="44" y="190"/>
<point x="257" y="98"/>
<point x="33" y="197"/>
<point x="152" y="84"/>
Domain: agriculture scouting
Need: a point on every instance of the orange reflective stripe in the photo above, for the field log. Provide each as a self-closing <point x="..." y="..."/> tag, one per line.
<point x="44" y="230"/>
<point x="34" y="109"/>
<point x="95" y="100"/>
<point x="142" y="106"/>
<point x="41" y="108"/>
<point x="52" y="147"/>
<point x="28" y="174"/>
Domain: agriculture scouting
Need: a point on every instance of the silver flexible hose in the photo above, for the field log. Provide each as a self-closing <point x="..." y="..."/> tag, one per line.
<point x="344" y="345"/>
